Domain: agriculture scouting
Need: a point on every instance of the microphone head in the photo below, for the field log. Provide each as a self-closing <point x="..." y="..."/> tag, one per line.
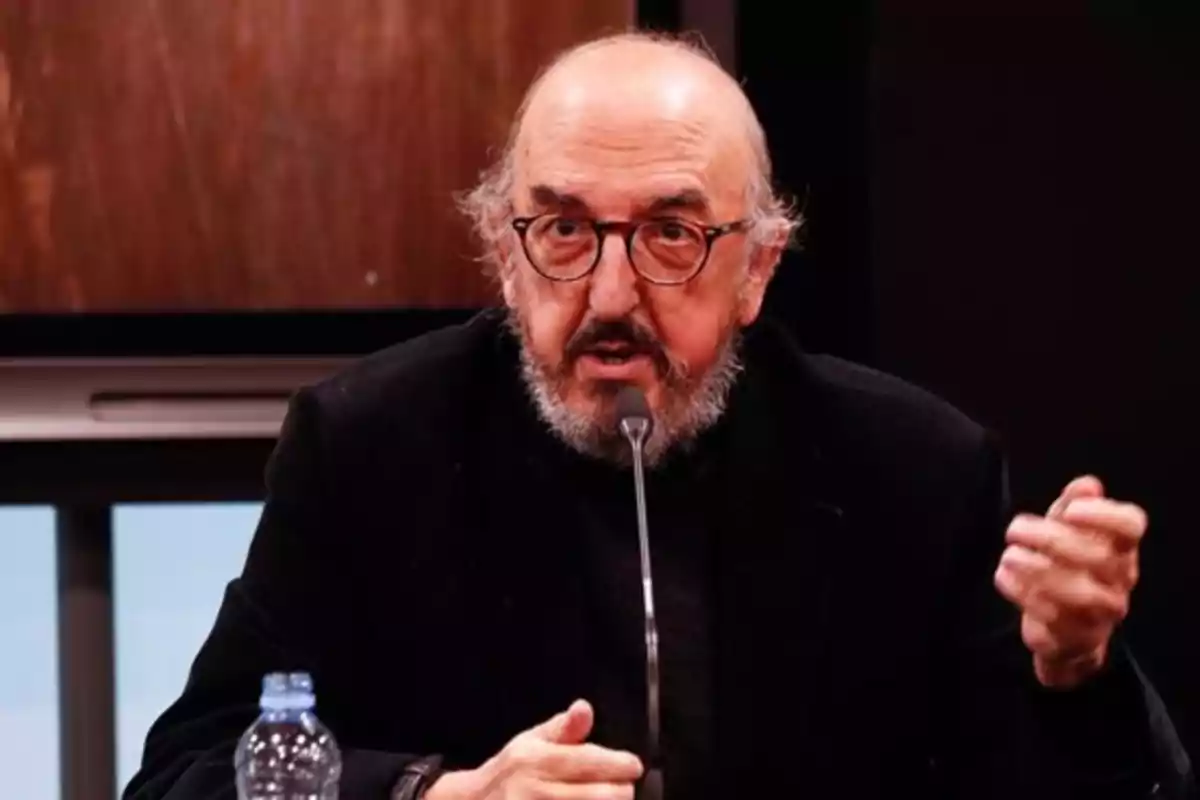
<point x="633" y="413"/>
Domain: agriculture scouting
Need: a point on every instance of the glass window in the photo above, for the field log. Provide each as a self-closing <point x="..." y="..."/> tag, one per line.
<point x="28" y="654"/>
<point x="171" y="564"/>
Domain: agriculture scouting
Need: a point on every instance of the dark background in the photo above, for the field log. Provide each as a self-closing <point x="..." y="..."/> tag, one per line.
<point x="1003" y="207"/>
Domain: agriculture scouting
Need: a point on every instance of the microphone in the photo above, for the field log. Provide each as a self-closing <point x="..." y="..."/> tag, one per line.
<point x="637" y="423"/>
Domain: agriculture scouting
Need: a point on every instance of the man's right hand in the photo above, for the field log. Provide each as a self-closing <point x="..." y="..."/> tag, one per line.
<point x="550" y="760"/>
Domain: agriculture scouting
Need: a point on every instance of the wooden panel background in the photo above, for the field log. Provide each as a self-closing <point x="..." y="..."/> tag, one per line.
<point x="257" y="154"/>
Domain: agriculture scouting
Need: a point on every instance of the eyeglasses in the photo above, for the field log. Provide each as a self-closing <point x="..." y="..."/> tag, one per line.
<point x="666" y="251"/>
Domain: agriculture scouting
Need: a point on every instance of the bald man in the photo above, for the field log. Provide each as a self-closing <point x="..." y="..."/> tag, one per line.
<point x="846" y="605"/>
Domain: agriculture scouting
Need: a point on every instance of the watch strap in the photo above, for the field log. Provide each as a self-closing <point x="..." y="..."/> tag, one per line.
<point x="417" y="778"/>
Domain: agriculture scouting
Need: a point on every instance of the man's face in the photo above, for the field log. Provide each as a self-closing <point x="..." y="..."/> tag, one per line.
<point x="607" y="157"/>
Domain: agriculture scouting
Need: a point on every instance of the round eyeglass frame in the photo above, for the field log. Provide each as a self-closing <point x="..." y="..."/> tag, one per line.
<point x="628" y="229"/>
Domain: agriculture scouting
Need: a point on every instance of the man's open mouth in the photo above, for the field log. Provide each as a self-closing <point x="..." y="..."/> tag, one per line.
<point x="614" y="352"/>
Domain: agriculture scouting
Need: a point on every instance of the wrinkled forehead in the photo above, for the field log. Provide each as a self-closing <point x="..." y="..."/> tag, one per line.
<point x="619" y="155"/>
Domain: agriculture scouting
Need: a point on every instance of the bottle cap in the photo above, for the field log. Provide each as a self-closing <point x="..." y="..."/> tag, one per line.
<point x="287" y="692"/>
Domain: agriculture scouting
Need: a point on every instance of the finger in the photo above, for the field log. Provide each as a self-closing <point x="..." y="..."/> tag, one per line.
<point x="1019" y="572"/>
<point x="569" y="727"/>
<point x="1025" y="595"/>
<point x="1074" y="604"/>
<point x="1009" y="585"/>
<point x="1038" y="637"/>
<point x="1076" y="599"/>
<point x="588" y="763"/>
<point x="1124" y="523"/>
<point x="1061" y="542"/>
<point x="1043" y="640"/>
<point x="1084" y="486"/>
<point x="581" y="791"/>
<point x="551" y="729"/>
<point x="1029" y="565"/>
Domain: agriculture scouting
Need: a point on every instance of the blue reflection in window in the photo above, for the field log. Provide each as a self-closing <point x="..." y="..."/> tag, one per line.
<point x="171" y="565"/>
<point x="28" y="654"/>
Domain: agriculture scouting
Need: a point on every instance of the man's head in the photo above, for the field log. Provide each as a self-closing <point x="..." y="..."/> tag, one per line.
<point x="633" y="230"/>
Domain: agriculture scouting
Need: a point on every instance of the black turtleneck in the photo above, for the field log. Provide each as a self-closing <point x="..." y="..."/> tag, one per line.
<point x="682" y="503"/>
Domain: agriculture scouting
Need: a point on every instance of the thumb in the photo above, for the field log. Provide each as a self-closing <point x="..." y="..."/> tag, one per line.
<point x="569" y="727"/>
<point x="1086" y="486"/>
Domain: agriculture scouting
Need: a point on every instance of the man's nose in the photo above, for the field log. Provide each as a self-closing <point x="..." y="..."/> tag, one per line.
<point x="615" y="287"/>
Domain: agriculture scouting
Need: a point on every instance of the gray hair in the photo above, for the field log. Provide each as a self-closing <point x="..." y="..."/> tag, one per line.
<point x="489" y="205"/>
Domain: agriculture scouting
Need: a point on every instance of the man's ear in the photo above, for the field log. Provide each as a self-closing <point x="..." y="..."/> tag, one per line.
<point x="764" y="260"/>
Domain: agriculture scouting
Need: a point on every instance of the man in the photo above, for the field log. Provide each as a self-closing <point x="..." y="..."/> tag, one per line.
<point x="846" y="606"/>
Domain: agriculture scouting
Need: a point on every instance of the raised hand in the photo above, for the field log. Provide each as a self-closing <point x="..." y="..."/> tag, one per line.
<point x="1071" y="573"/>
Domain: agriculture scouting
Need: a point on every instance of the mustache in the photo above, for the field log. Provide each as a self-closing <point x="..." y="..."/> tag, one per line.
<point x="638" y="338"/>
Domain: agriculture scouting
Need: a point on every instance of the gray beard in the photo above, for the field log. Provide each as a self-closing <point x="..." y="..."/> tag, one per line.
<point x="693" y="406"/>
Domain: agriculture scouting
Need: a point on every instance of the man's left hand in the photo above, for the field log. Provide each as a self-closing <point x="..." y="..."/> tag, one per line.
<point x="1071" y="573"/>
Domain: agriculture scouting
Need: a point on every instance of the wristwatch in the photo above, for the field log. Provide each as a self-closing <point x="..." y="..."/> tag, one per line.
<point x="417" y="778"/>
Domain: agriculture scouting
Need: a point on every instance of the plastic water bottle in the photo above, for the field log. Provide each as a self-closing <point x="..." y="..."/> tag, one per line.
<point x="287" y="754"/>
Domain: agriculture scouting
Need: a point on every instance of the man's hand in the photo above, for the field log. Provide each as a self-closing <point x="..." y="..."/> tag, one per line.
<point x="551" y="760"/>
<point x="1071" y="573"/>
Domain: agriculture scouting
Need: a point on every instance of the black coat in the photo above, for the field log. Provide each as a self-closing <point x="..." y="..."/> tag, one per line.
<point x="412" y="552"/>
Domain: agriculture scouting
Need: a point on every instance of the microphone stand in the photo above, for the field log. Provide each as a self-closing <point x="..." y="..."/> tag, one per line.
<point x="636" y="429"/>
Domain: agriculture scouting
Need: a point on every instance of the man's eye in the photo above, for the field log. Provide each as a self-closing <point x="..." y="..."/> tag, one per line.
<point x="672" y="230"/>
<point x="566" y="227"/>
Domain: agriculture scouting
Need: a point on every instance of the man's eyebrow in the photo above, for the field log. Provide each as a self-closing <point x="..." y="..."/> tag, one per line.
<point x="549" y="197"/>
<point x="693" y="200"/>
<point x="685" y="200"/>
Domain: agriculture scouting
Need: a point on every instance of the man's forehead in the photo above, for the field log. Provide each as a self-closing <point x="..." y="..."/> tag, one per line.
<point x="663" y="132"/>
<point x="648" y="167"/>
<point x="640" y="129"/>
